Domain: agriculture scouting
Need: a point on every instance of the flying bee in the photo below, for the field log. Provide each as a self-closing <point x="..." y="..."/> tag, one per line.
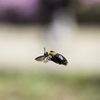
<point x="52" y="56"/>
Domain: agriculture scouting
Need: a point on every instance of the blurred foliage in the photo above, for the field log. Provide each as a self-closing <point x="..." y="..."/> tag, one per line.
<point x="86" y="11"/>
<point x="48" y="86"/>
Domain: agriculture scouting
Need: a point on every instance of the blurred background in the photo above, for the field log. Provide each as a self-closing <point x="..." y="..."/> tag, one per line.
<point x="69" y="27"/>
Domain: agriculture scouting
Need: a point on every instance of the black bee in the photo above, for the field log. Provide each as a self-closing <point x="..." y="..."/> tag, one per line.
<point x="52" y="56"/>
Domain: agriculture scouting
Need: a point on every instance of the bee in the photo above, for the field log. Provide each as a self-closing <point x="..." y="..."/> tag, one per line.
<point x="52" y="56"/>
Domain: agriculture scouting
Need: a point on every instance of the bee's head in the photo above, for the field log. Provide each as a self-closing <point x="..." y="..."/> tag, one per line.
<point x="46" y="54"/>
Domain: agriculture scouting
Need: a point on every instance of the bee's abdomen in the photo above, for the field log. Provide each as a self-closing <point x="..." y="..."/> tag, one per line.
<point x="58" y="58"/>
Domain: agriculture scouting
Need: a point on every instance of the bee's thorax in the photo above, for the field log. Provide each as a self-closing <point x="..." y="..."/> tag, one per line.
<point x="53" y="53"/>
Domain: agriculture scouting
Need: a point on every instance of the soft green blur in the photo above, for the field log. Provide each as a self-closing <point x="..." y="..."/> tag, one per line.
<point x="48" y="86"/>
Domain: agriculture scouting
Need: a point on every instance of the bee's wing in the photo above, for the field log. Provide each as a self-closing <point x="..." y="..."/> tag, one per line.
<point x="40" y="58"/>
<point x="48" y="58"/>
<point x="43" y="58"/>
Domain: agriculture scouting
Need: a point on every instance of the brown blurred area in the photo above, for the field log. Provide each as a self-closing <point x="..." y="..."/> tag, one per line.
<point x="69" y="27"/>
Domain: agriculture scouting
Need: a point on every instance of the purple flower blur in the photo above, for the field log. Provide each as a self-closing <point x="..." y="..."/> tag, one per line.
<point x="23" y="8"/>
<point x="27" y="10"/>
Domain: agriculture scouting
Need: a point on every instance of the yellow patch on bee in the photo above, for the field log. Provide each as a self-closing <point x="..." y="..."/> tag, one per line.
<point x="52" y="53"/>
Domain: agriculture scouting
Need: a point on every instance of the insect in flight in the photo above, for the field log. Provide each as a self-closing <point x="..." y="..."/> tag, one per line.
<point x="52" y="56"/>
